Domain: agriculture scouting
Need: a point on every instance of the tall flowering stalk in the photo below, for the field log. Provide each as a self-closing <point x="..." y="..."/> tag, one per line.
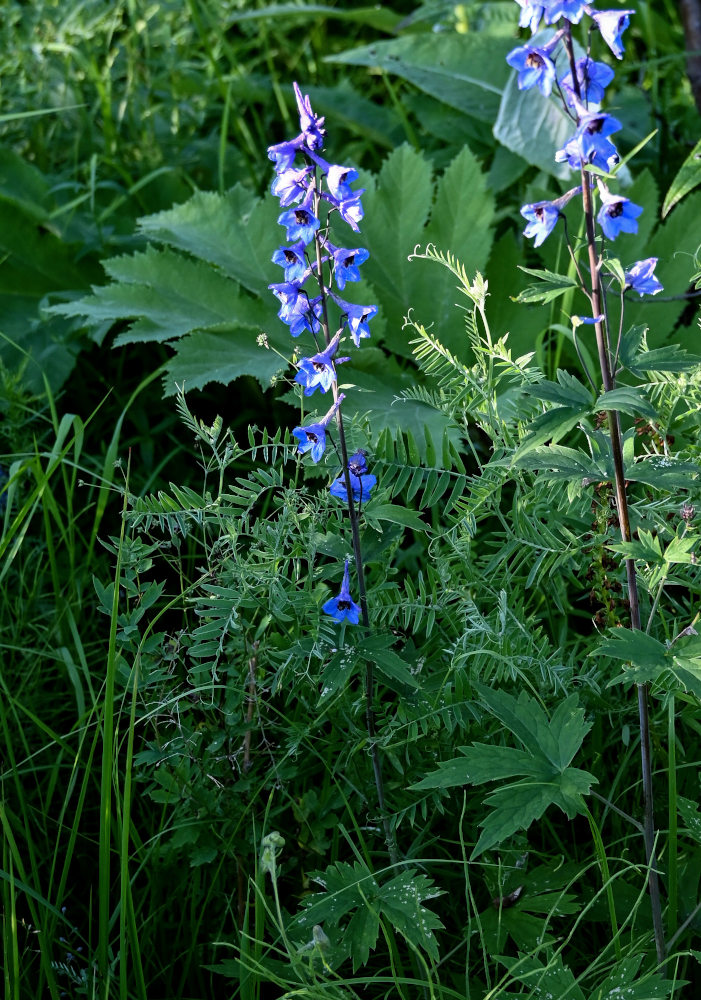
<point x="606" y="214"/>
<point x="315" y="270"/>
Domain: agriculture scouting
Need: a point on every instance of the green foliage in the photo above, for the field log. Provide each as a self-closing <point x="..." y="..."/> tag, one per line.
<point x="549" y="746"/>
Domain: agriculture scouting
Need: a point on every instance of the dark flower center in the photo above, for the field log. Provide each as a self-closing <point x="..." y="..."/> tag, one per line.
<point x="613" y="211"/>
<point x="534" y="61"/>
<point x="290" y="255"/>
<point x="312" y="437"/>
<point x="319" y="366"/>
<point x="348" y="261"/>
<point x="595" y="125"/>
<point x="301" y="216"/>
<point x="343" y="605"/>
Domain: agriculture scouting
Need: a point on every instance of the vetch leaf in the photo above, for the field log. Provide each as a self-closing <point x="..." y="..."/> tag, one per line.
<point x="688" y="177"/>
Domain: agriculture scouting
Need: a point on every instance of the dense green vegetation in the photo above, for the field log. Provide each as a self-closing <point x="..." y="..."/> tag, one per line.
<point x="187" y="797"/>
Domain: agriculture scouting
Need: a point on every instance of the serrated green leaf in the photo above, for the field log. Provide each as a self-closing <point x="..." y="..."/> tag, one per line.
<point x="622" y="983"/>
<point x="635" y="357"/>
<point x="392" y="666"/>
<point x="634" y="646"/>
<point x="558" y="462"/>
<point x="689" y="812"/>
<point x="627" y="399"/>
<point x="479" y="763"/>
<point x="688" y="177"/>
<point x="220" y="356"/>
<point x="232" y="231"/>
<point x="401" y="902"/>
<point x="171" y="296"/>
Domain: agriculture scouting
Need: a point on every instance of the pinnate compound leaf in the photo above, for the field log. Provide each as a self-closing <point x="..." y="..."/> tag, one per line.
<point x="634" y="646"/>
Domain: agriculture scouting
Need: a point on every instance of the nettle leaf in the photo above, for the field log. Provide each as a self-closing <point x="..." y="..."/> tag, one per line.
<point x="635" y="646"/>
<point x="467" y="72"/>
<point x="220" y="356"/>
<point x="688" y="177"/>
<point x="232" y="231"/>
<point x="170" y="294"/>
<point x="663" y="473"/>
<point x="549" y="745"/>
<point x="353" y="892"/>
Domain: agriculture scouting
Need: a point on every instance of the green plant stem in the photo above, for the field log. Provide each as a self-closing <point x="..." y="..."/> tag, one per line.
<point x="370" y="723"/>
<point x="609" y="382"/>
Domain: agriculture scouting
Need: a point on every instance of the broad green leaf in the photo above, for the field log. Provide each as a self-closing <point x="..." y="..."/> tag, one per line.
<point x="465" y="71"/>
<point x="235" y="231"/>
<point x="622" y="983"/>
<point x="549" y="426"/>
<point x="553" y="981"/>
<point x="513" y="807"/>
<point x="219" y="356"/>
<point x="567" y="391"/>
<point x="663" y="473"/>
<point x="394" y="667"/>
<point x="688" y="177"/>
<point x="647" y="547"/>
<point x="635" y="646"/>
<point x="380" y="17"/>
<point x="627" y="399"/>
<point x="397" y="205"/>
<point x="170" y="294"/>
<point x="689" y="812"/>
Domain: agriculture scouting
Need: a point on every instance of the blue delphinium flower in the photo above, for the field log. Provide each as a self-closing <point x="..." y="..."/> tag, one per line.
<point x="293" y="260"/>
<point x="310" y="123"/>
<point x="318" y="372"/>
<point x="360" y="487"/>
<point x="543" y="215"/>
<point x="283" y="153"/>
<point x="592" y="77"/>
<point x="535" y="67"/>
<point x="343" y="607"/>
<point x="300" y="222"/>
<point x="573" y="10"/>
<point x="591" y="143"/>
<point x="641" y="277"/>
<point x="357" y="318"/>
<point x="339" y="181"/>
<point x="612" y="24"/>
<point x="312" y="438"/>
<point x="346" y="264"/>
<point x="617" y="215"/>
<point x="290" y="185"/>
<point x="530" y="15"/>
<point x="351" y="210"/>
<point x="357" y="463"/>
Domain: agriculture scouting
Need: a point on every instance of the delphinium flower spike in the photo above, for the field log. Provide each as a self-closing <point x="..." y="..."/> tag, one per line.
<point x="588" y="150"/>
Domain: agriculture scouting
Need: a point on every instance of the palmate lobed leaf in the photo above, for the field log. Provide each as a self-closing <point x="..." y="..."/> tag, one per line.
<point x="549" y="746"/>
